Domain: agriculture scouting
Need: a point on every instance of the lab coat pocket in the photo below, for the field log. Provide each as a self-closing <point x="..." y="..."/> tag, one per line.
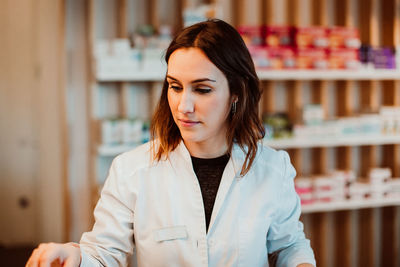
<point x="253" y="242"/>
<point x="170" y="233"/>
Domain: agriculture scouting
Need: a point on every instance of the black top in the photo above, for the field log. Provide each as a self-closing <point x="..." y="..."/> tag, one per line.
<point x="209" y="173"/>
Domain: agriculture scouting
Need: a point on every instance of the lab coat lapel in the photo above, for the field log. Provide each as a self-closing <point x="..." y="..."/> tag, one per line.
<point x="231" y="172"/>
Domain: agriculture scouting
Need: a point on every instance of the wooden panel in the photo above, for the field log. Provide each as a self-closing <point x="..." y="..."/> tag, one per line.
<point x="368" y="16"/>
<point x="122" y="32"/>
<point x="389" y="232"/>
<point x="18" y="123"/>
<point x="319" y="12"/>
<point x="294" y="107"/>
<point x="366" y="241"/>
<point x="344" y="13"/>
<point x="293" y="16"/>
<point x="92" y="131"/>
<point x="343" y="235"/>
<point x="267" y="12"/>
<point x="319" y="155"/>
<point x="268" y="100"/>
<point x="369" y="23"/>
<point x="52" y="171"/>
<point x="344" y="98"/>
<point x="319" y="238"/>
<point x="122" y="29"/>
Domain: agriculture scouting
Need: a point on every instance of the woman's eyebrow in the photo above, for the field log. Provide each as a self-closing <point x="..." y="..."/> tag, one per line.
<point x="194" y="81"/>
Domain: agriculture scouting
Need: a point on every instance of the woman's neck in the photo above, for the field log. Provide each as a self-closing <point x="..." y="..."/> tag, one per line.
<point x="206" y="149"/>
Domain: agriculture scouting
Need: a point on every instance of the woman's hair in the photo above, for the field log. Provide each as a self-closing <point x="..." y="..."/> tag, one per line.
<point x="225" y="48"/>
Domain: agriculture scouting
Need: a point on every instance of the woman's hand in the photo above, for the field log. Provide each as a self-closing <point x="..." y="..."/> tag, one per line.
<point x="53" y="254"/>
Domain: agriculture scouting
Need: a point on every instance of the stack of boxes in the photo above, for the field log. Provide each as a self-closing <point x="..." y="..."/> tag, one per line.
<point x="314" y="47"/>
<point x="124" y="132"/>
<point x="342" y="185"/>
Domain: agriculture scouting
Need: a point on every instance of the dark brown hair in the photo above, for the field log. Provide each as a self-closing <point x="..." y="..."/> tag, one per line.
<point x="225" y="48"/>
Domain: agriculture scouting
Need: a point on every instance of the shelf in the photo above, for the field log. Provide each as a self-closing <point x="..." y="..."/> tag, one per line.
<point x="114" y="150"/>
<point x="333" y="142"/>
<point x="364" y="74"/>
<point x="134" y="76"/>
<point x="350" y="205"/>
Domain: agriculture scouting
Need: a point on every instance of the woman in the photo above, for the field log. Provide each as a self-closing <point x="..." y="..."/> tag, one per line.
<point x="204" y="191"/>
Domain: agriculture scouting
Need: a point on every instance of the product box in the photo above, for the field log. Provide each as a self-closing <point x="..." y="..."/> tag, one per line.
<point x="132" y="131"/>
<point x="261" y="57"/>
<point x="111" y="132"/>
<point x="311" y="58"/>
<point x="343" y="59"/>
<point x="390" y="117"/>
<point x="344" y="37"/>
<point x="384" y="58"/>
<point x="359" y="190"/>
<point x="281" y="36"/>
<point x="303" y="187"/>
<point x="313" y="114"/>
<point x="307" y="37"/>
<point x="366" y="56"/>
<point x="281" y="57"/>
<point x="252" y="35"/>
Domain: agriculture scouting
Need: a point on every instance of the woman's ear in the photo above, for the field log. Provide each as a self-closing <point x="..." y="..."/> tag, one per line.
<point x="235" y="98"/>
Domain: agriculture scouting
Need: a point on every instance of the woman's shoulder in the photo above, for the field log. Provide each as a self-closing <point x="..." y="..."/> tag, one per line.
<point x="272" y="158"/>
<point x="134" y="159"/>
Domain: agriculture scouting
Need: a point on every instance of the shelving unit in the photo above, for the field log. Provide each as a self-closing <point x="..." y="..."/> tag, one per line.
<point x="287" y="143"/>
<point x="350" y="205"/>
<point x="274" y="75"/>
<point x="340" y="93"/>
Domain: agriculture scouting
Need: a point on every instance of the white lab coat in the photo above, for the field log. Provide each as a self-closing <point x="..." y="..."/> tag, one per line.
<point x="157" y="208"/>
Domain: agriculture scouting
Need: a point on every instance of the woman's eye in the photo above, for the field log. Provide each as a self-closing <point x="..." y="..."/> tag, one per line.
<point x="203" y="90"/>
<point x="175" y="88"/>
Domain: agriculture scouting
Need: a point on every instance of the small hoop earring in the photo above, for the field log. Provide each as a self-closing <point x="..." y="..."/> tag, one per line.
<point x="234" y="107"/>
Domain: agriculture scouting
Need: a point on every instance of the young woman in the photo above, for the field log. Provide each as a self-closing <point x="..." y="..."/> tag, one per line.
<point x="204" y="191"/>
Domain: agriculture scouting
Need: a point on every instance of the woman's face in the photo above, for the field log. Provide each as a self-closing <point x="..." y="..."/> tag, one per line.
<point x="199" y="98"/>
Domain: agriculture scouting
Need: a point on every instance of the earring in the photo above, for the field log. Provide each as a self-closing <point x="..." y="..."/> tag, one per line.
<point x="234" y="107"/>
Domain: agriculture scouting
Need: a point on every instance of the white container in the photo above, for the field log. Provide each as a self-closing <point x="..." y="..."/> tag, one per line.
<point x="111" y="132"/>
<point x="132" y="131"/>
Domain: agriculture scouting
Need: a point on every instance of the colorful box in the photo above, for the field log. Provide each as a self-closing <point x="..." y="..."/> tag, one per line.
<point x="311" y="58"/>
<point x="344" y="37"/>
<point x="307" y="37"/>
<point x="281" y="36"/>
<point x="343" y="59"/>
<point x="252" y="35"/>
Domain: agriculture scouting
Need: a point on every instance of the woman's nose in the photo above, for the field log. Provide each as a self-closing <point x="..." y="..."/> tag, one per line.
<point x="186" y="103"/>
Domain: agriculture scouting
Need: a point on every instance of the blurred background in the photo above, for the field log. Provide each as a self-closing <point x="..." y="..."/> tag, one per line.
<point x="79" y="80"/>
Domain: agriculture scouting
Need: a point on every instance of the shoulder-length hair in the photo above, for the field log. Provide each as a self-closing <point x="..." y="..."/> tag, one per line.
<point x="225" y="48"/>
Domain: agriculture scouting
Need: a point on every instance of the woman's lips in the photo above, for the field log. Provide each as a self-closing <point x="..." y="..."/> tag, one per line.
<point x="188" y="123"/>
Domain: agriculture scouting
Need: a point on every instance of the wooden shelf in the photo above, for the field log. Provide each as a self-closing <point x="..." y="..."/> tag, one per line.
<point x="350" y="205"/>
<point x="333" y="142"/>
<point x="363" y="74"/>
<point x="114" y="150"/>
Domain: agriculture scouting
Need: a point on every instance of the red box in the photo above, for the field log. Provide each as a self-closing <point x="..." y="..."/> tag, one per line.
<point x="308" y="37"/>
<point x="343" y="58"/>
<point x="273" y="57"/>
<point x="260" y="57"/>
<point x="252" y="35"/>
<point x="281" y="36"/>
<point x="344" y="37"/>
<point x="311" y="58"/>
<point x="282" y="57"/>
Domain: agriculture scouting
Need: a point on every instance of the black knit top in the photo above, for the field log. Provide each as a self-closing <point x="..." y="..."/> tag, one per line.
<point x="209" y="173"/>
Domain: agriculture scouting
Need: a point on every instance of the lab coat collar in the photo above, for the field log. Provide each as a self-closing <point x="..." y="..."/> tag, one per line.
<point x="229" y="177"/>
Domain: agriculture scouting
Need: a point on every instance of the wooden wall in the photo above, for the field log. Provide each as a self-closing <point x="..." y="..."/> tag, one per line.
<point x="33" y="161"/>
<point x="367" y="237"/>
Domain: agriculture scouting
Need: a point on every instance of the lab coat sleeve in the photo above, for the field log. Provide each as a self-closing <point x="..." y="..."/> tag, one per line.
<point x="110" y="243"/>
<point x="286" y="236"/>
